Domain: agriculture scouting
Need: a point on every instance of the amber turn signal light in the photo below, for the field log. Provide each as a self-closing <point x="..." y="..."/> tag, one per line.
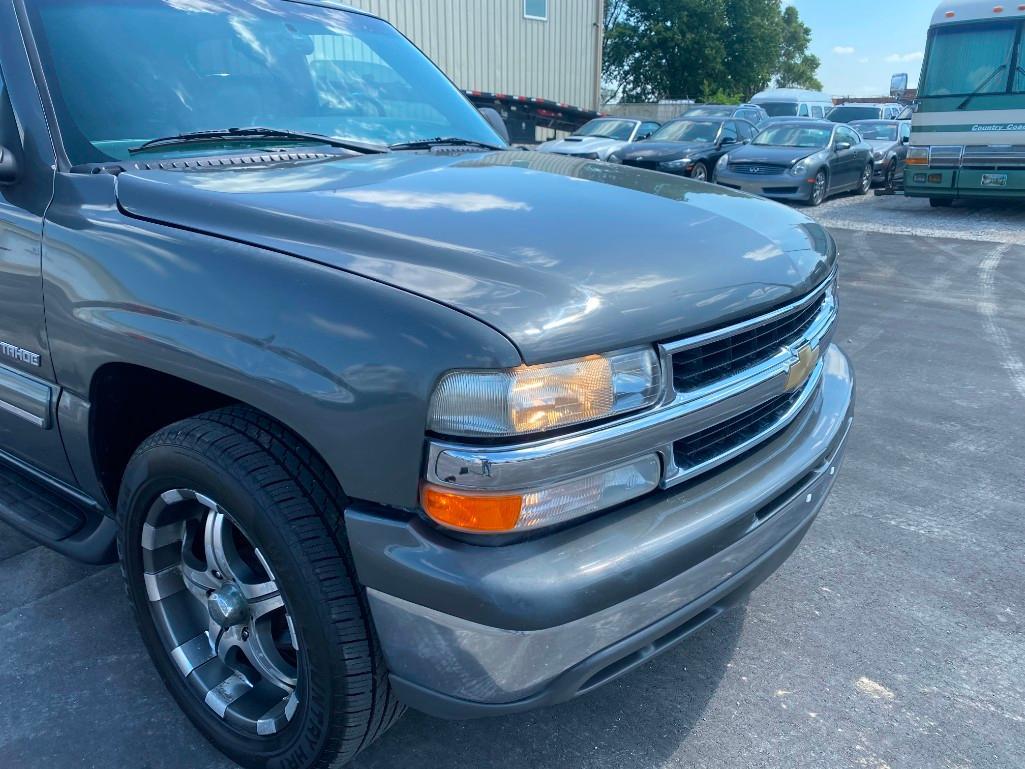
<point x="472" y="512"/>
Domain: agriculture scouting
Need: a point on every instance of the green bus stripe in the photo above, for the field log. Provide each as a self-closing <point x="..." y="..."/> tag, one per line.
<point x="967" y="128"/>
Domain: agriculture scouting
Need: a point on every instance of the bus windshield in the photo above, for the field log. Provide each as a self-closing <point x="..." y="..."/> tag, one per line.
<point x="975" y="58"/>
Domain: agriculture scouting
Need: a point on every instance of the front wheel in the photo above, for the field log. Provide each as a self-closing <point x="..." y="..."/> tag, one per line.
<point x="699" y="172"/>
<point x="866" y="180"/>
<point x="244" y="591"/>
<point x="819" y="188"/>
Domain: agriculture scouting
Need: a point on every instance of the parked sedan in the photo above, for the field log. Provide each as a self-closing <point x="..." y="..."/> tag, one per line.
<point x="600" y="137"/>
<point x="889" y="140"/>
<point x="686" y="146"/>
<point x="803" y="160"/>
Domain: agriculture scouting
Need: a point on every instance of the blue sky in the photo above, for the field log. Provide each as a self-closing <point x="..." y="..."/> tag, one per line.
<point x="862" y="47"/>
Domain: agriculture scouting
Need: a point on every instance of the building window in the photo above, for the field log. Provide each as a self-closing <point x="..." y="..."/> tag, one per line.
<point x="535" y="9"/>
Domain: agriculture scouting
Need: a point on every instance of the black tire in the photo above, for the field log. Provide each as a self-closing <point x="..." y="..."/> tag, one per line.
<point x="941" y="202"/>
<point x="890" y="175"/>
<point x="700" y="172"/>
<point x="276" y="489"/>
<point x="820" y="189"/>
<point x="865" y="183"/>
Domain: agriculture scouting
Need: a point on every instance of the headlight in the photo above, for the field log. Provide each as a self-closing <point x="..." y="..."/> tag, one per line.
<point x="533" y="399"/>
<point x="918" y="156"/>
<point x="800" y="168"/>
<point x="677" y="165"/>
<point x="878" y="155"/>
<point x="723" y="162"/>
<point x="614" y="158"/>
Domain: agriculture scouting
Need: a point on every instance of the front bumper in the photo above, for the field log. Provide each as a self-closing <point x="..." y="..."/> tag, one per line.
<point x="472" y="631"/>
<point x="784" y="186"/>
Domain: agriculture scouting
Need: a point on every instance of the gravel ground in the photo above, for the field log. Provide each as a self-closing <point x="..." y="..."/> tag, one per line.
<point x="995" y="222"/>
<point x="893" y="639"/>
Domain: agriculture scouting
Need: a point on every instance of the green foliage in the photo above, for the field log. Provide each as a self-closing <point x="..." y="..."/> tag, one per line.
<point x="710" y="50"/>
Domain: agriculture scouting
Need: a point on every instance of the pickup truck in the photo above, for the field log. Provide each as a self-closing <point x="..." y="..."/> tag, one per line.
<point x="373" y="410"/>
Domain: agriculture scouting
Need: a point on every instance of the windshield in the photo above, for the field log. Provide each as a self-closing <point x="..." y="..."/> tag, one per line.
<point x="970" y="59"/>
<point x="877" y="131"/>
<point x="686" y="131"/>
<point x="122" y="72"/>
<point x="621" y="130"/>
<point x="779" y="108"/>
<point x="794" y="136"/>
<point x="847" y="114"/>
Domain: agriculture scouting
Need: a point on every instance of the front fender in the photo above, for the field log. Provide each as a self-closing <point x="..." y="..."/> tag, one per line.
<point x="346" y="362"/>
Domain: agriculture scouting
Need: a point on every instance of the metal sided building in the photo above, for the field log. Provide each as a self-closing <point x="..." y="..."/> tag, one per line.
<point x="537" y="61"/>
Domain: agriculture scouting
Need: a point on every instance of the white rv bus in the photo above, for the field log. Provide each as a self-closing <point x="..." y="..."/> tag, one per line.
<point x="968" y="130"/>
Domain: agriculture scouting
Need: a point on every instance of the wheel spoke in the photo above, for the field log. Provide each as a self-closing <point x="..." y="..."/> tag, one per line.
<point x="265" y="604"/>
<point x="261" y="652"/>
<point x="198" y="581"/>
<point x="218" y="544"/>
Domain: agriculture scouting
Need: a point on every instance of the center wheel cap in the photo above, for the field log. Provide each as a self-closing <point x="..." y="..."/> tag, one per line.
<point x="227" y="606"/>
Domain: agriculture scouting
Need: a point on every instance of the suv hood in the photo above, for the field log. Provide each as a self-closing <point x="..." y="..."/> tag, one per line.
<point x="565" y="257"/>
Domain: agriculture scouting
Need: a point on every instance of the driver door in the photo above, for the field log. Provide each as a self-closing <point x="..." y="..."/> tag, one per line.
<point x="845" y="171"/>
<point x="28" y="390"/>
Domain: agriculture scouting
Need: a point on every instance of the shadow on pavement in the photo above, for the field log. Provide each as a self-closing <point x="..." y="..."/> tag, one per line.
<point x="641" y="719"/>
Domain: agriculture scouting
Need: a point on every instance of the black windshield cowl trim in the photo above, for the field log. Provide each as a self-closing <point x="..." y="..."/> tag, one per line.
<point x="452" y="141"/>
<point x="242" y="134"/>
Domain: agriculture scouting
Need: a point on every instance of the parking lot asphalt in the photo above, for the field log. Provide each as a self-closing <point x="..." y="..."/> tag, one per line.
<point x="895" y="636"/>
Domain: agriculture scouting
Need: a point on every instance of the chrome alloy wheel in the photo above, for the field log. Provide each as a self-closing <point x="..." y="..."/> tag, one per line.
<point x="818" y="192"/>
<point x="219" y="612"/>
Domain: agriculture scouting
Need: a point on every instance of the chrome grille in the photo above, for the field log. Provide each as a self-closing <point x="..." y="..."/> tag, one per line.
<point x="995" y="157"/>
<point x="701" y="448"/>
<point x="757" y="169"/>
<point x="945" y="156"/>
<point x="700" y="366"/>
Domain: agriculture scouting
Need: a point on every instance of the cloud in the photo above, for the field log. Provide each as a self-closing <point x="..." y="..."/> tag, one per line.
<point x="843" y="50"/>
<point x="898" y="57"/>
<point x="864" y="60"/>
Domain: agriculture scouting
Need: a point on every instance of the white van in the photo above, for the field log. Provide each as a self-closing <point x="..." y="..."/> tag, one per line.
<point x="793" y="102"/>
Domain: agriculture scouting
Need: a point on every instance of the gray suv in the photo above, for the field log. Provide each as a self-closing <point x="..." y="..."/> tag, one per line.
<point x="373" y="411"/>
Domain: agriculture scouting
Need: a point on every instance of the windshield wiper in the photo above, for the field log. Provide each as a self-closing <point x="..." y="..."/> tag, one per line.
<point x="979" y="90"/>
<point x="440" y="141"/>
<point x="233" y="134"/>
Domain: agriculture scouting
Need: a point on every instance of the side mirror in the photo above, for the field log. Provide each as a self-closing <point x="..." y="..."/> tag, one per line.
<point x="843" y="146"/>
<point x="495" y="121"/>
<point x="728" y="140"/>
<point x="9" y="170"/>
<point x="905" y="140"/>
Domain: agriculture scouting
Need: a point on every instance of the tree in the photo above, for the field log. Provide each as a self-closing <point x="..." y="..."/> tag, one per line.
<point x="797" y="68"/>
<point x="679" y="49"/>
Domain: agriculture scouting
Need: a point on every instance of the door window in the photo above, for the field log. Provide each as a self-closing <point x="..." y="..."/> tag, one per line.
<point x="816" y="111"/>
<point x="747" y="131"/>
<point x="729" y="131"/>
<point x="803" y="111"/>
<point x="845" y="134"/>
<point x="647" y="129"/>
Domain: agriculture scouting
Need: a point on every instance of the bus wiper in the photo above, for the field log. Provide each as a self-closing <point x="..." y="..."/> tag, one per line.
<point x="233" y="134"/>
<point x="981" y="87"/>
<point x="439" y="141"/>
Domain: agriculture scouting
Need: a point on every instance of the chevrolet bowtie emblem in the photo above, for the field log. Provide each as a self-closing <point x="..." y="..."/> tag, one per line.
<point x="807" y="357"/>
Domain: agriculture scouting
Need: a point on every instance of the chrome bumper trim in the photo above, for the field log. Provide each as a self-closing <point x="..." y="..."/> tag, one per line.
<point x="524" y="466"/>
